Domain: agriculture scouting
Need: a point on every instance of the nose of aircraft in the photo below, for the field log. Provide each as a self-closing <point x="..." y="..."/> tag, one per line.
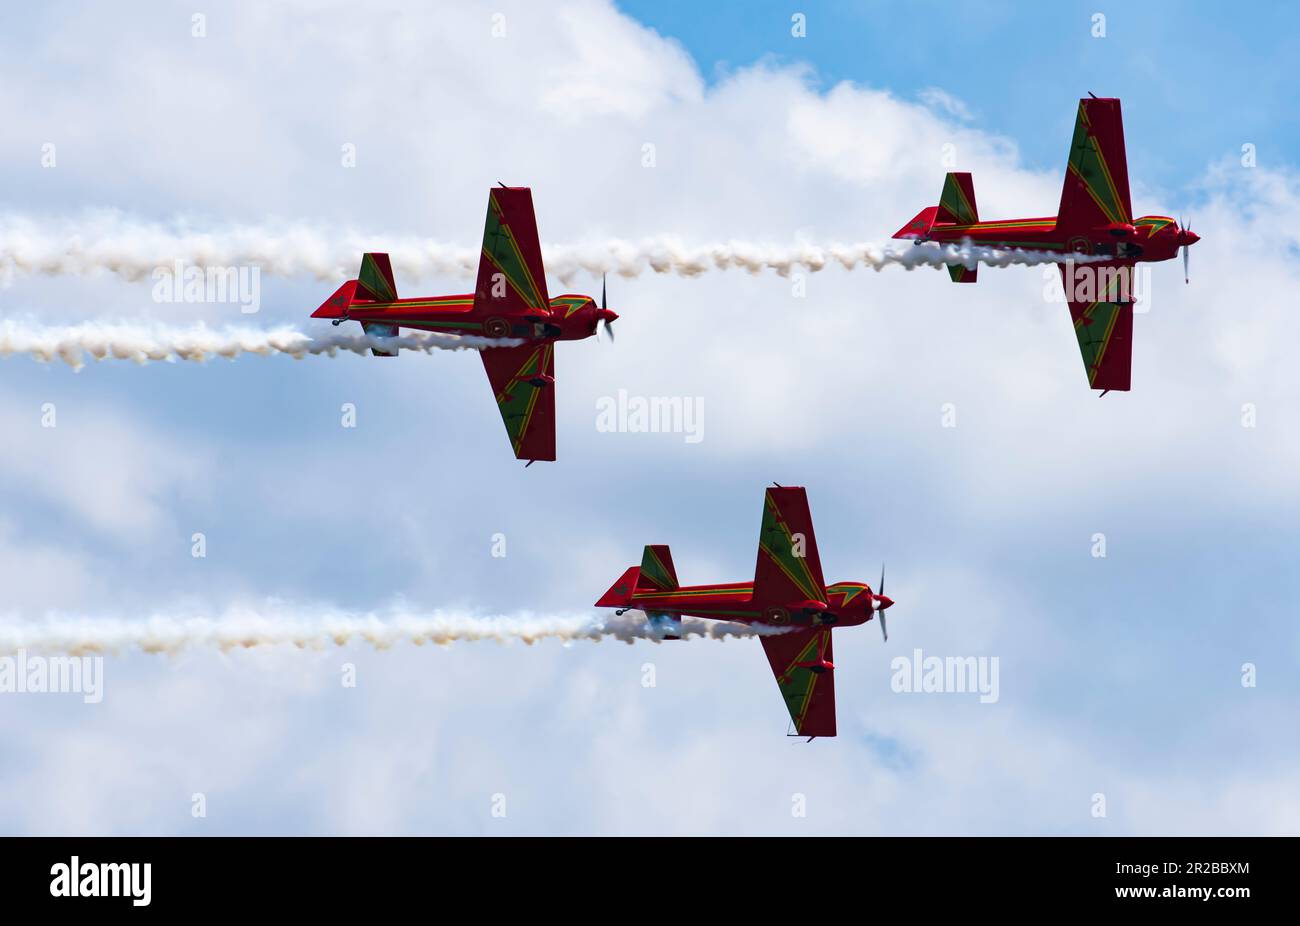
<point x="883" y="602"/>
<point x="1190" y="237"/>
<point x="607" y="316"/>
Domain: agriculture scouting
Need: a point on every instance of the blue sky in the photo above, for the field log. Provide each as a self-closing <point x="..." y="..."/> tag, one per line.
<point x="1184" y="67"/>
<point x="1120" y="675"/>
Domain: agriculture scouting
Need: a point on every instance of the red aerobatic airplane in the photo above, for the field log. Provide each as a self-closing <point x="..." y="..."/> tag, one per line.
<point x="788" y="591"/>
<point x="1095" y="218"/>
<point x="509" y="301"/>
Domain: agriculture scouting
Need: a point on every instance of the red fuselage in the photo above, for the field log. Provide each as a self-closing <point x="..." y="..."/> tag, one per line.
<point x="572" y="317"/>
<point x="847" y="604"/>
<point x="1150" y="238"/>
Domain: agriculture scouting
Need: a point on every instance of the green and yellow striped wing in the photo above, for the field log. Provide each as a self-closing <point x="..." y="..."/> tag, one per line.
<point x="524" y="396"/>
<point x="511" y="276"/>
<point x="809" y="695"/>
<point x="1096" y="176"/>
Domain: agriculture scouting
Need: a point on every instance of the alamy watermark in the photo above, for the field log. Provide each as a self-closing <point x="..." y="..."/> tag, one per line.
<point x="919" y="673"/>
<point x="25" y="673"/>
<point x="75" y="878"/>
<point x="182" y="282"/>
<point x="1087" y="283"/>
<point x="651" y="415"/>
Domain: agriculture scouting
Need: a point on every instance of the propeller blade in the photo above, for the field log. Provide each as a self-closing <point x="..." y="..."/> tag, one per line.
<point x="884" y="632"/>
<point x="609" y="330"/>
<point x="1187" y="274"/>
<point x="881" y="589"/>
<point x="602" y="292"/>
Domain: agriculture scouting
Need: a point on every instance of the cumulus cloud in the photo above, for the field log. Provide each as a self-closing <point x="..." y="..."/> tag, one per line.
<point x="100" y="471"/>
<point x="940" y="99"/>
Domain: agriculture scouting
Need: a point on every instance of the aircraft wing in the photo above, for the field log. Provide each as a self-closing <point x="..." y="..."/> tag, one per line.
<point x="1103" y="321"/>
<point x="789" y="569"/>
<point x="511" y="277"/>
<point x="1096" y="177"/>
<point x="809" y="695"/>
<point x="522" y="380"/>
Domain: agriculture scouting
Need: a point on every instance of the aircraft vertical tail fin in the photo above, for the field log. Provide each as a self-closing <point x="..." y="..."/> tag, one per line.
<point x="920" y="225"/>
<point x="337" y="305"/>
<point x="620" y="593"/>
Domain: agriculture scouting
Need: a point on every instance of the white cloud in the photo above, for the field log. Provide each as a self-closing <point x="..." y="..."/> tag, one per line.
<point x="38" y="574"/>
<point x="938" y="98"/>
<point x="96" y="466"/>
<point x="607" y="65"/>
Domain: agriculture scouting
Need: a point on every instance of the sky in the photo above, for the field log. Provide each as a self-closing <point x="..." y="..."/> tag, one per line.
<point x="946" y="431"/>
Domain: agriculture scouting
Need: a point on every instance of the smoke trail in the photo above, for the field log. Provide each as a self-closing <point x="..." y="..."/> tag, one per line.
<point x="274" y="625"/>
<point x="670" y="255"/>
<point x="144" y="343"/>
<point x="136" y="250"/>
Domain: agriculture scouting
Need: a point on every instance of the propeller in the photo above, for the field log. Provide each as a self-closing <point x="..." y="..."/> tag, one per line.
<point x="609" y="322"/>
<point x="880" y="606"/>
<point x="1187" y="273"/>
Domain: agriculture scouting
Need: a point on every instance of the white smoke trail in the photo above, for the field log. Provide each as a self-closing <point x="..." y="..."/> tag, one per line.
<point x="143" y="343"/>
<point x="136" y="250"/>
<point x="275" y="625"/>
<point x="670" y="255"/>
